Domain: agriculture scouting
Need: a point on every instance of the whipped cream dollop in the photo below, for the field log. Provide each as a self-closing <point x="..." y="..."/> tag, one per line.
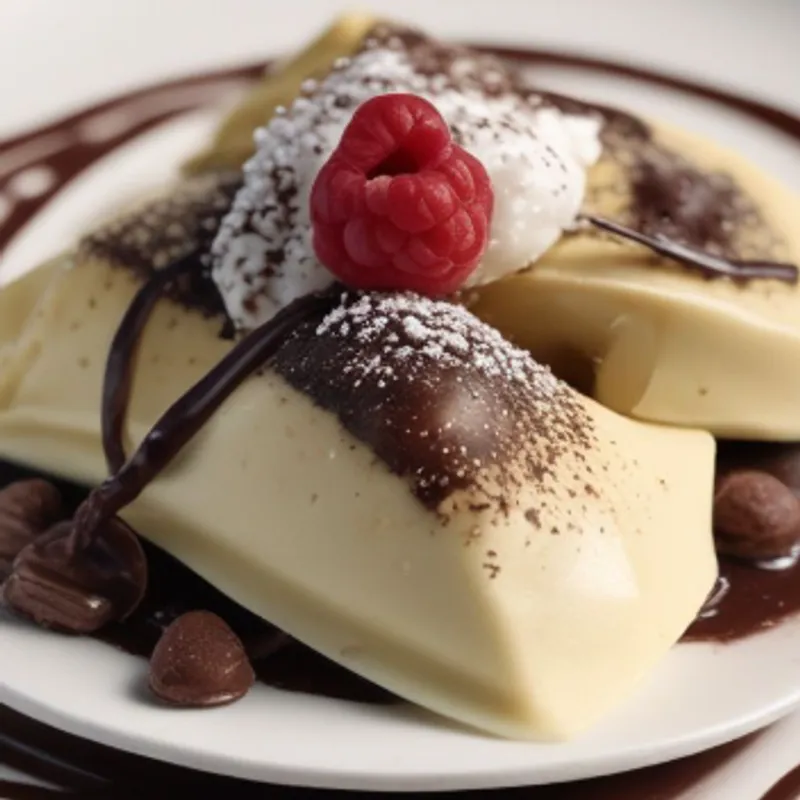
<point x="535" y="154"/>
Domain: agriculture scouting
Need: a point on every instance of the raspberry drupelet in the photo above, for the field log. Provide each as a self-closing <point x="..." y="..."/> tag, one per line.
<point x="399" y="205"/>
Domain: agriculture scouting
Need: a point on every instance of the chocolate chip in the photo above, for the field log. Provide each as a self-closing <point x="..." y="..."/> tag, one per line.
<point x="27" y="508"/>
<point x="755" y="516"/>
<point x="199" y="661"/>
<point x="78" y="590"/>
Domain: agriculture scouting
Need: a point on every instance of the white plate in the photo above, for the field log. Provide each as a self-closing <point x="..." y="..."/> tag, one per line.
<point x="700" y="696"/>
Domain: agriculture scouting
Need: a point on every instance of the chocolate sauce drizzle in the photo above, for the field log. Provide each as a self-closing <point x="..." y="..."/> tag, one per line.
<point x="142" y="110"/>
<point x="187" y="415"/>
<point x="707" y="264"/>
<point x="118" y="375"/>
<point x="747" y="599"/>
<point x="766" y="596"/>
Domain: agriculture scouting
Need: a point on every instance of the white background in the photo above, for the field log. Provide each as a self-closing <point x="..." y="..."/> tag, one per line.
<point x="53" y="52"/>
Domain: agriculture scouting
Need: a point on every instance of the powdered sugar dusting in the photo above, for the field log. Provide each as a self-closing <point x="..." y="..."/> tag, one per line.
<point x="441" y="397"/>
<point x="535" y="155"/>
<point x="440" y="332"/>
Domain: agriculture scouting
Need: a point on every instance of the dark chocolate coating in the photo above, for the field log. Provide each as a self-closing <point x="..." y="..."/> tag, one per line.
<point x="27" y="508"/>
<point x="78" y="590"/>
<point x="440" y="397"/>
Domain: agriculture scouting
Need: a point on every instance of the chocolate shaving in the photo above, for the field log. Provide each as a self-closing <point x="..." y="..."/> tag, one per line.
<point x="707" y="264"/>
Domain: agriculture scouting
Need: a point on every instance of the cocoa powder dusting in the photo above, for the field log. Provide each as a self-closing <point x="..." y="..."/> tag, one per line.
<point x="179" y="225"/>
<point x="441" y="398"/>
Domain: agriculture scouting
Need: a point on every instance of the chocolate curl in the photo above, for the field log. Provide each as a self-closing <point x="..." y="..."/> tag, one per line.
<point x="710" y="266"/>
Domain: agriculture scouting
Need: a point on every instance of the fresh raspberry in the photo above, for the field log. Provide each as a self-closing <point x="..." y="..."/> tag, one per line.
<point x="399" y="205"/>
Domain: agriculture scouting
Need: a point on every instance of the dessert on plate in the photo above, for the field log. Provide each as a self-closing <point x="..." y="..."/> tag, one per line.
<point x="403" y="378"/>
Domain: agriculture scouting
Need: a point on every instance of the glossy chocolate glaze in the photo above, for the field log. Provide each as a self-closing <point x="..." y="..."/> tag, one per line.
<point x="76" y="154"/>
<point x="748" y="599"/>
<point x="118" y="374"/>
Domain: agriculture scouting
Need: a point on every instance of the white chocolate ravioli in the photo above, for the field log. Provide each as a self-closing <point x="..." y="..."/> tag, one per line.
<point x="528" y="598"/>
<point x="650" y="338"/>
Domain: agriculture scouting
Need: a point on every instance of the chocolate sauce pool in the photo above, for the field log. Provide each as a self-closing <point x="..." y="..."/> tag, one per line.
<point x="754" y="598"/>
<point x="748" y="599"/>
